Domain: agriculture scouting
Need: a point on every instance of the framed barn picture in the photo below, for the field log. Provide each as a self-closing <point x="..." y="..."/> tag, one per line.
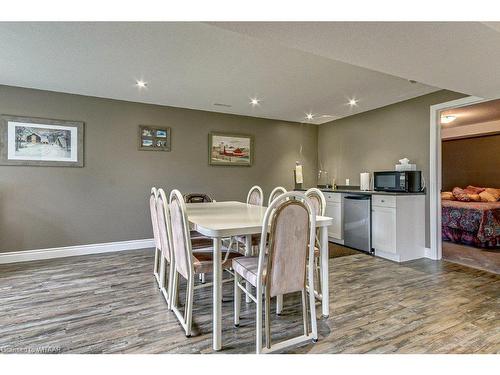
<point x="32" y="141"/>
<point x="230" y="149"/>
<point x="152" y="138"/>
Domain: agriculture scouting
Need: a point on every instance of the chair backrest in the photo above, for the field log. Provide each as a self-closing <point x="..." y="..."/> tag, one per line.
<point x="277" y="191"/>
<point x="197" y="198"/>
<point x="154" y="215"/>
<point x="181" y="241"/>
<point x="255" y="196"/>
<point x="291" y="243"/>
<point x="164" y="224"/>
<point x="317" y="199"/>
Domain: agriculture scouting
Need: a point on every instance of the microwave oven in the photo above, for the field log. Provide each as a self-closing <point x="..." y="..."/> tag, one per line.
<point x="404" y="181"/>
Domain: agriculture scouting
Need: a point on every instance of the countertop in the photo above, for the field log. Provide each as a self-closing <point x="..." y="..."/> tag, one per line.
<point x="365" y="192"/>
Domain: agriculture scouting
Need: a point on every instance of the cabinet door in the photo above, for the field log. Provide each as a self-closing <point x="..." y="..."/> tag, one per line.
<point x="334" y="210"/>
<point x="384" y="229"/>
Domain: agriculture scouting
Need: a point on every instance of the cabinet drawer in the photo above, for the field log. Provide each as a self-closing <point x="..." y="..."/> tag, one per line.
<point x="333" y="197"/>
<point x="383" y="200"/>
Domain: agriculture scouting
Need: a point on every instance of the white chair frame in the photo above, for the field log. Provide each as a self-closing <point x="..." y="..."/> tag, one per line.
<point x="259" y="189"/>
<point x="260" y="289"/>
<point x="154" y="222"/>
<point x="186" y="319"/>
<point x="276" y="190"/>
<point x="166" y="283"/>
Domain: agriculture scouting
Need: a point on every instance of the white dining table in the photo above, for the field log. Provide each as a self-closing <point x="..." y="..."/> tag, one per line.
<point x="219" y="220"/>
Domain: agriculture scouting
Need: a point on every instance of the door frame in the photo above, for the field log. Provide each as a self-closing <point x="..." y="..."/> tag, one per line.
<point x="435" y="183"/>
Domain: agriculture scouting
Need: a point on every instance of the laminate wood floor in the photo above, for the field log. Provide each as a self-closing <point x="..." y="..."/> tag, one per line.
<point x="109" y="303"/>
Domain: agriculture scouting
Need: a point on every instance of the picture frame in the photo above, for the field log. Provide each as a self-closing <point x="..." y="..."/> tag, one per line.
<point x="229" y="149"/>
<point x="35" y="141"/>
<point x="154" y="138"/>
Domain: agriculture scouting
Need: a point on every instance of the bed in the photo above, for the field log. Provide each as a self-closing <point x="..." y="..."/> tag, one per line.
<point x="471" y="223"/>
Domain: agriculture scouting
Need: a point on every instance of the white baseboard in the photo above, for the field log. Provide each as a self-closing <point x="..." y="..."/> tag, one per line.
<point x="429" y="254"/>
<point x="68" y="251"/>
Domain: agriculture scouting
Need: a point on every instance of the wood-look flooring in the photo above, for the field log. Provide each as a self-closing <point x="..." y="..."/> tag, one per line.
<point x="109" y="303"/>
<point x="483" y="259"/>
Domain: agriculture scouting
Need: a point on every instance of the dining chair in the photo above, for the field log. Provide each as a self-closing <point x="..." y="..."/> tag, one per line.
<point x="154" y="222"/>
<point x="318" y="200"/>
<point x="198" y="240"/>
<point x="255" y="197"/>
<point x="188" y="262"/>
<point x="165" y="237"/>
<point x="285" y="268"/>
<point x="275" y="193"/>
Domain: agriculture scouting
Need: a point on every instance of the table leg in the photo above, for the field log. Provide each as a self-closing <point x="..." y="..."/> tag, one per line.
<point x="324" y="272"/>
<point x="248" y="252"/>
<point x="217" y="295"/>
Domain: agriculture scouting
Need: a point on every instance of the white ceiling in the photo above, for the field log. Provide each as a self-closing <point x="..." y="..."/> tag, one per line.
<point x="194" y="65"/>
<point x="459" y="56"/>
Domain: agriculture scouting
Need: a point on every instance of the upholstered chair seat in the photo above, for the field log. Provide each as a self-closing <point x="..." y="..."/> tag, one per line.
<point x="199" y="241"/>
<point x="203" y="260"/>
<point x="247" y="268"/>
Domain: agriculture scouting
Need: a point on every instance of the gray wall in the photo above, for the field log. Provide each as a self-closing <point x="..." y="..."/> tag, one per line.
<point x="106" y="200"/>
<point x="471" y="161"/>
<point x="376" y="140"/>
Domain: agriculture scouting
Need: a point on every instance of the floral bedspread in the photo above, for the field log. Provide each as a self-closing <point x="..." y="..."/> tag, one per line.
<point x="471" y="223"/>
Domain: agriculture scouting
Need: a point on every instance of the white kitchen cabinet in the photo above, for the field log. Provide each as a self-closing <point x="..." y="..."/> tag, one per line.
<point x="334" y="209"/>
<point x="398" y="226"/>
<point x="384" y="229"/>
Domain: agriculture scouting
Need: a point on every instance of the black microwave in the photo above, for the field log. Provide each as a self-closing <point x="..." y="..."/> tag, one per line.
<point x="404" y="182"/>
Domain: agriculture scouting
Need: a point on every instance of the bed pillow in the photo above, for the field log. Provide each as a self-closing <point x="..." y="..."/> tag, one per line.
<point x="447" y="196"/>
<point x="465" y="196"/>
<point x="474" y="189"/>
<point x="490" y="195"/>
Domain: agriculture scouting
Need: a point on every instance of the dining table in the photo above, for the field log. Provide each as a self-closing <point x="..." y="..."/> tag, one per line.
<point x="220" y="220"/>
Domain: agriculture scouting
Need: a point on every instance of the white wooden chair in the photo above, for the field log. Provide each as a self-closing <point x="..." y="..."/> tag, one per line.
<point x="165" y="236"/>
<point x="288" y="265"/>
<point x="275" y="193"/>
<point x="188" y="263"/>
<point x="255" y="196"/>
<point x="154" y="222"/>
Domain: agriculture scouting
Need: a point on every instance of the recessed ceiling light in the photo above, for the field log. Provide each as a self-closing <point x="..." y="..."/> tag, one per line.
<point x="447" y="119"/>
<point x="141" y="84"/>
<point x="254" y="101"/>
<point x="353" y="102"/>
<point x="309" y="116"/>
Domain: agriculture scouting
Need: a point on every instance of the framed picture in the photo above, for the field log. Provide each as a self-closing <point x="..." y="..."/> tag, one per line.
<point x="152" y="138"/>
<point x="230" y="149"/>
<point x="32" y="141"/>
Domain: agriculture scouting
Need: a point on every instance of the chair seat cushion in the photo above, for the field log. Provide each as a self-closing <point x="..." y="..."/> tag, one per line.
<point x="203" y="260"/>
<point x="247" y="268"/>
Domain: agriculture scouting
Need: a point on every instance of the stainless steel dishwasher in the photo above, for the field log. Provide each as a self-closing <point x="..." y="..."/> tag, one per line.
<point x="357" y="222"/>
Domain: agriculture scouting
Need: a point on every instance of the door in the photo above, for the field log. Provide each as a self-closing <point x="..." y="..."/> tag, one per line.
<point x="384" y="229"/>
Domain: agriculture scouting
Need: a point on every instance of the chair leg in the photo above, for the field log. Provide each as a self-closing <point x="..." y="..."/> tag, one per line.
<point x="189" y="306"/>
<point x="259" y="322"/>
<point x="304" y="311"/>
<point x="267" y="314"/>
<point x="202" y="278"/>
<point x="170" y="290"/>
<point x="279" y="304"/>
<point x="312" y="306"/>
<point x="318" y="273"/>
<point x="155" y="267"/>
<point x="175" y="289"/>
<point x="237" y="300"/>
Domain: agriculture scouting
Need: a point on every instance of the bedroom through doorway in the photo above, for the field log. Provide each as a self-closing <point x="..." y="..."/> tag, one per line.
<point x="470" y="185"/>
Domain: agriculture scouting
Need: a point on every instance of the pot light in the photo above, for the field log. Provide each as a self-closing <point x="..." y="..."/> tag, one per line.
<point x="447" y="119"/>
<point x="141" y="84"/>
<point x="309" y="116"/>
<point x="254" y="101"/>
<point x="353" y="102"/>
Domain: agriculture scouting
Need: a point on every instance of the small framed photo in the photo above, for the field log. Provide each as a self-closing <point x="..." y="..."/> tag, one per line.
<point x="230" y="149"/>
<point x="32" y="141"/>
<point x="152" y="138"/>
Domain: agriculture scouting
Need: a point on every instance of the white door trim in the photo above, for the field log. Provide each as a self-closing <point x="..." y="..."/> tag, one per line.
<point x="435" y="183"/>
<point x="68" y="251"/>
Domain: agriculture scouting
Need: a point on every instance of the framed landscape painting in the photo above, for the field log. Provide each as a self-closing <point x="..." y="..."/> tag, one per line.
<point x="230" y="149"/>
<point x="32" y="141"/>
